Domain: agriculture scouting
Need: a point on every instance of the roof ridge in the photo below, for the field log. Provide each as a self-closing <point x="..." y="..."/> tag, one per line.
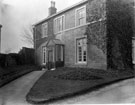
<point x="70" y="7"/>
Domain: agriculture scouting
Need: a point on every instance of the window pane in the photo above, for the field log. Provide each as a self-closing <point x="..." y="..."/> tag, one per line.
<point x="81" y="21"/>
<point x="58" y="26"/>
<point x="81" y="50"/>
<point x="80" y="15"/>
<point x="44" y="55"/>
<point x="61" y="53"/>
<point x="44" y="29"/>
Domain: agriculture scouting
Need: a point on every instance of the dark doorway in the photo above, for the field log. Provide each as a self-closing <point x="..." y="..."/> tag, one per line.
<point x="50" y="59"/>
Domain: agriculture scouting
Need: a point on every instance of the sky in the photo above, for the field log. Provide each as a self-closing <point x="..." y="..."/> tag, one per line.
<point x="16" y="15"/>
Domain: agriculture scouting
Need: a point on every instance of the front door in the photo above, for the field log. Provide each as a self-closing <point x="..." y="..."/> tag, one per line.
<point x="50" y="59"/>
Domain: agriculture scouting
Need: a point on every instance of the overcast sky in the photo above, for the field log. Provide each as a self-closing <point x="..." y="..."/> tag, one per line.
<point x="17" y="14"/>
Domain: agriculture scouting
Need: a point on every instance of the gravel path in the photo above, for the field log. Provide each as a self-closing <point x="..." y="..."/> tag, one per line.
<point x="14" y="93"/>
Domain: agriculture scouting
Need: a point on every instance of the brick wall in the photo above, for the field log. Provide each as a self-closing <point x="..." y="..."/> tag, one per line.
<point x="70" y="19"/>
<point x="69" y="39"/>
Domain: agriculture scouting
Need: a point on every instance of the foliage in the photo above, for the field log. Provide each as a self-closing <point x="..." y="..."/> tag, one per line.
<point x="113" y="36"/>
<point x="96" y="10"/>
<point x="96" y="32"/>
<point x="119" y="33"/>
<point x="78" y="75"/>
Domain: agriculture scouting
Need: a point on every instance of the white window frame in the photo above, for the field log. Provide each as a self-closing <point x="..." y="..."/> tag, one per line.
<point x="55" y="25"/>
<point x="76" y="52"/>
<point x="44" y="50"/>
<point x="43" y="28"/>
<point x="76" y="17"/>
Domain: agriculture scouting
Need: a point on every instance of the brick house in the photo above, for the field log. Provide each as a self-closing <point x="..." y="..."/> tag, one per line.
<point x="73" y="37"/>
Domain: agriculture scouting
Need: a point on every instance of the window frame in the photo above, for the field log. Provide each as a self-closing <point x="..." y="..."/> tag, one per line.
<point x="44" y="58"/>
<point x="76" y="17"/>
<point x="55" y="24"/>
<point x="43" y="32"/>
<point x="76" y="53"/>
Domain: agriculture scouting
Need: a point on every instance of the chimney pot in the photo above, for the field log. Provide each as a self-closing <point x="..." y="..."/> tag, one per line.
<point x="52" y="9"/>
<point x="52" y="4"/>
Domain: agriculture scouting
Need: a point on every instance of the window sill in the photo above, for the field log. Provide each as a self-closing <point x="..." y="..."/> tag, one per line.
<point x="83" y="63"/>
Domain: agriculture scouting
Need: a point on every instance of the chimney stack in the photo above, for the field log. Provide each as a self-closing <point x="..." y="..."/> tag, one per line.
<point x="52" y="9"/>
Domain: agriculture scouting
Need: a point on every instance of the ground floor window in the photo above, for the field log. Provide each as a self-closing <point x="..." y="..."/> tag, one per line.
<point x="44" y="54"/>
<point x="81" y="47"/>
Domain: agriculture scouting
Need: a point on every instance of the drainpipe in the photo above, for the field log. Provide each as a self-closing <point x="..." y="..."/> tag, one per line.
<point x="34" y="36"/>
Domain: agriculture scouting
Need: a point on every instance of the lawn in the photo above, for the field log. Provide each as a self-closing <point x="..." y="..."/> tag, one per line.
<point x="8" y="74"/>
<point x="67" y="82"/>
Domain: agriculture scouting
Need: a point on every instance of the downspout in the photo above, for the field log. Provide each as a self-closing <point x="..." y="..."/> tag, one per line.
<point x="34" y="36"/>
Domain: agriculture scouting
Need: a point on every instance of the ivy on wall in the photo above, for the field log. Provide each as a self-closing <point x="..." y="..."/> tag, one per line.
<point x="96" y="10"/>
<point x="113" y="35"/>
<point x="96" y="31"/>
<point x="119" y="33"/>
<point x="96" y="34"/>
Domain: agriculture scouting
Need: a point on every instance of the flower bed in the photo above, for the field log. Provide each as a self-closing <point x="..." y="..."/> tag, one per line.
<point x="78" y="75"/>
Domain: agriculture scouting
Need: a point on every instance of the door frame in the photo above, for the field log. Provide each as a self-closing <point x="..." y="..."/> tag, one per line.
<point x="50" y="51"/>
<point x="44" y="49"/>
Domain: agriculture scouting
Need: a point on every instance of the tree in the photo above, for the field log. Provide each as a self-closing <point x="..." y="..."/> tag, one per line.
<point x="27" y="35"/>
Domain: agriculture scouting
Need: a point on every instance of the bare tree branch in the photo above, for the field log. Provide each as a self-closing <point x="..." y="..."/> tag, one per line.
<point x="27" y="35"/>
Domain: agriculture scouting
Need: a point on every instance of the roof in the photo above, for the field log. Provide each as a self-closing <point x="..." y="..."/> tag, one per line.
<point x="52" y="42"/>
<point x="64" y="10"/>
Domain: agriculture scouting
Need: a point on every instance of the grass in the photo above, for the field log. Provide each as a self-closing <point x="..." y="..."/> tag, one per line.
<point x="65" y="82"/>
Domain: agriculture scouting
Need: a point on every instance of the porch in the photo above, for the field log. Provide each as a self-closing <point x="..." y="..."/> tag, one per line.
<point x="53" y="54"/>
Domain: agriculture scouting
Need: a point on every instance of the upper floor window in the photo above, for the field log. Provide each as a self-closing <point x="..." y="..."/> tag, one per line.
<point x="59" y="24"/>
<point x="44" y="30"/>
<point x="81" y="16"/>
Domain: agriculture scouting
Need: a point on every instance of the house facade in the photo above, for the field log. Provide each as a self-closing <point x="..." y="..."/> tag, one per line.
<point x="76" y="36"/>
<point x="62" y="37"/>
